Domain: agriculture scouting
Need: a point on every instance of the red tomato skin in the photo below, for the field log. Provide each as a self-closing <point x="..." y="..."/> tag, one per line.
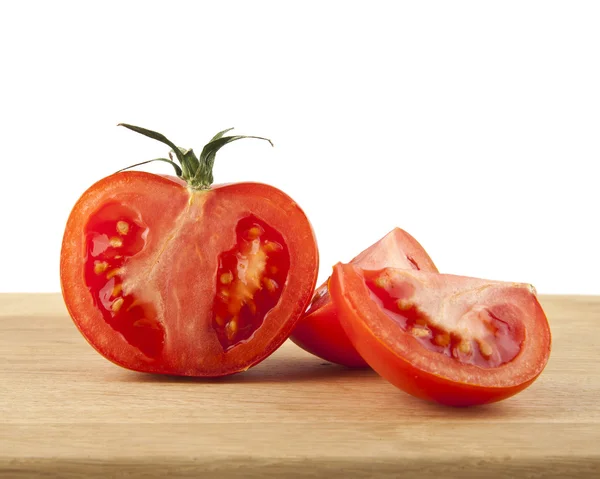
<point x="165" y="197"/>
<point x="319" y="331"/>
<point x="347" y="290"/>
<point x="321" y="334"/>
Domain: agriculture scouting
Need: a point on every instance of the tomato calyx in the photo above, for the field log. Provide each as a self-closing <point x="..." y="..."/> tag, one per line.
<point x="195" y="171"/>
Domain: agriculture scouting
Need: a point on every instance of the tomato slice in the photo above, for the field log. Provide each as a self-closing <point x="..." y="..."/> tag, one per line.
<point x="163" y="278"/>
<point x="319" y="332"/>
<point x="455" y="340"/>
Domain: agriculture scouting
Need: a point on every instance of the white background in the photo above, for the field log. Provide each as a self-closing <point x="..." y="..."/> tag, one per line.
<point x="475" y="125"/>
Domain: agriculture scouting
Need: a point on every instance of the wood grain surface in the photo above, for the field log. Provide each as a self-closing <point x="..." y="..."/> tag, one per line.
<point x="67" y="412"/>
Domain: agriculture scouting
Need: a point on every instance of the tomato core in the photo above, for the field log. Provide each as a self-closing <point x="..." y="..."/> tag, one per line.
<point x="113" y="235"/>
<point x="249" y="281"/>
<point x="482" y="336"/>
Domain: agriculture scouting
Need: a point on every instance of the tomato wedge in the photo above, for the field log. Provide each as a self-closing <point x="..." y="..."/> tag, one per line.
<point x="450" y="339"/>
<point x="319" y="331"/>
<point x="177" y="276"/>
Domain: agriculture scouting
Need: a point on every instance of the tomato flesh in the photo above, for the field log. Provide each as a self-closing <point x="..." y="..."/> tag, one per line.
<point x="450" y="339"/>
<point x="250" y="278"/>
<point x="319" y="331"/>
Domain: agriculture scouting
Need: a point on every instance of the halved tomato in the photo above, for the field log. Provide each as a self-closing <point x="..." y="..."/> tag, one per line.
<point x="319" y="331"/>
<point x="451" y="339"/>
<point x="173" y="275"/>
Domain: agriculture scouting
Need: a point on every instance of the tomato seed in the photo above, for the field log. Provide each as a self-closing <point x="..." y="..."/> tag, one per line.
<point x="136" y="303"/>
<point x="251" y="306"/>
<point x="114" y="272"/>
<point x="226" y="278"/>
<point x="147" y="323"/>
<point x="464" y="347"/>
<point x="117" y="290"/>
<point x="485" y="348"/>
<point x="272" y="246"/>
<point x="442" y="340"/>
<point x="420" y="332"/>
<point x="122" y="227"/>
<point x="116" y="242"/>
<point x="254" y="232"/>
<point x="100" y="267"/>
<point x="231" y="328"/>
<point x="116" y="306"/>
<point x="270" y="284"/>
<point x="403" y="304"/>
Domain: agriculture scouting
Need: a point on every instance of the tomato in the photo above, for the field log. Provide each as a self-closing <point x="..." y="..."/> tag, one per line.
<point x="455" y="340"/>
<point x="319" y="331"/>
<point x="178" y="276"/>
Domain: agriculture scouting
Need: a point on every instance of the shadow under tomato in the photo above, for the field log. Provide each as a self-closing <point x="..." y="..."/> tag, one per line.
<point x="508" y="408"/>
<point x="304" y="369"/>
<point x="272" y="370"/>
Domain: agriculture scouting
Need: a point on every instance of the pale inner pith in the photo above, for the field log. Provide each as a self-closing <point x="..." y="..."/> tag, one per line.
<point x="480" y="334"/>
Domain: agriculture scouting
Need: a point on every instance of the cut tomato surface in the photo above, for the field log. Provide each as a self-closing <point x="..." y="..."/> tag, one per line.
<point x="164" y="278"/>
<point x="319" y="332"/>
<point x="450" y="339"/>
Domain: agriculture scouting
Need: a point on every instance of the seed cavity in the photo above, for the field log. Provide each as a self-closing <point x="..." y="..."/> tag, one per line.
<point x="481" y="332"/>
<point x="249" y="281"/>
<point x="115" y="233"/>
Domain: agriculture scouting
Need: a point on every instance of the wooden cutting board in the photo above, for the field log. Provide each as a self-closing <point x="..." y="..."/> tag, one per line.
<point x="67" y="412"/>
